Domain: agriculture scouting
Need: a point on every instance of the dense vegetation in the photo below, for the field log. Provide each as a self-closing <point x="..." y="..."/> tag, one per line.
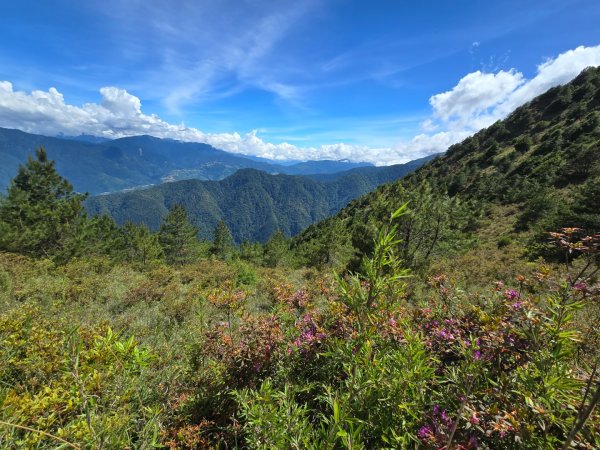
<point x="253" y="204"/>
<point x="120" y="337"/>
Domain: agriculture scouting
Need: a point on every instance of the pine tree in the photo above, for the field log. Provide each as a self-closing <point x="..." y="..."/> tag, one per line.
<point x="276" y="250"/>
<point x="41" y="215"/>
<point x="177" y="236"/>
<point x="141" y="246"/>
<point x="222" y="241"/>
<point x="332" y="249"/>
<point x="252" y="252"/>
<point x="99" y="235"/>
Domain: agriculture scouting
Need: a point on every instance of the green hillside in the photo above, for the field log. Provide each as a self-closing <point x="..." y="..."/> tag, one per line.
<point x="536" y="171"/>
<point x="253" y="203"/>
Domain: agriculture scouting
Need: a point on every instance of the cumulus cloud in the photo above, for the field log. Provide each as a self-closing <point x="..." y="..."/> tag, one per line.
<point x="475" y="94"/>
<point x="478" y="100"/>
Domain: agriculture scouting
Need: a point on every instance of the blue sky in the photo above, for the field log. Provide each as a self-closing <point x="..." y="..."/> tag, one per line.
<point x="382" y="81"/>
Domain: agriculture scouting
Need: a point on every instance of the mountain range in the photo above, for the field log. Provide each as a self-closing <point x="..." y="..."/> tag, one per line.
<point x="253" y="203"/>
<point x="97" y="166"/>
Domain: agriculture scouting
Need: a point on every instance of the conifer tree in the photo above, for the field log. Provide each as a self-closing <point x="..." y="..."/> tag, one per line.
<point x="141" y="246"/>
<point x="99" y="235"/>
<point x="41" y="215"/>
<point x="252" y="252"/>
<point x="177" y="236"/>
<point x="332" y="249"/>
<point x="222" y="241"/>
<point x="276" y="250"/>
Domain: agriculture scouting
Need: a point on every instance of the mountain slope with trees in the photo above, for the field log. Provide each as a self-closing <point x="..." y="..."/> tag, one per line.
<point x="536" y="171"/>
<point x="120" y="337"/>
<point x="254" y="204"/>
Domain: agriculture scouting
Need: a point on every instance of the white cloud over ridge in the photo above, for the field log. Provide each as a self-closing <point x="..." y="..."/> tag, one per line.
<point x="478" y="100"/>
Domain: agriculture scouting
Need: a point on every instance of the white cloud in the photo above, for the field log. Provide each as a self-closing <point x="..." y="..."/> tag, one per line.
<point x="120" y="102"/>
<point x="476" y="101"/>
<point x="475" y="94"/>
<point x="479" y="99"/>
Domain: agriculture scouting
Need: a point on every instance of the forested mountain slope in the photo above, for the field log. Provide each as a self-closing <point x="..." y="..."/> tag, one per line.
<point x="121" y="163"/>
<point x="536" y="171"/>
<point x="254" y="204"/>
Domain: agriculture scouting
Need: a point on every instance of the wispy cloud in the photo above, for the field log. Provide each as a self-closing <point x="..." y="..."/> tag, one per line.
<point x="201" y="51"/>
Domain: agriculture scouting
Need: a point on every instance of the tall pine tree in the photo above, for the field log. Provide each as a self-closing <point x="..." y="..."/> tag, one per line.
<point x="222" y="241"/>
<point x="277" y="250"/>
<point x="41" y="215"/>
<point x="177" y="237"/>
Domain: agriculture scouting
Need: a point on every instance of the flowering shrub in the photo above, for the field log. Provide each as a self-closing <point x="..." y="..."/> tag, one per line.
<point x="362" y="364"/>
<point x="495" y="370"/>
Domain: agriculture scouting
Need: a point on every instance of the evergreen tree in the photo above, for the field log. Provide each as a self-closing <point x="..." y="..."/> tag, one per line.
<point x="222" y="241"/>
<point x="252" y="252"/>
<point x="100" y="235"/>
<point x="276" y="250"/>
<point x="333" y="248"/>
<point x="177" y="236"/>
<point x="141" y="246"/>
<point x="41" y="215"/>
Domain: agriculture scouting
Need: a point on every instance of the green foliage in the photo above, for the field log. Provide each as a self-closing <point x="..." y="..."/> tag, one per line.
<point x="276" y="250"/>
<point x="542" y="159"/>
<point x="504" y="241"/>
<point x="254" y="204"/>
<point x="331" y="248"/>
<point x="177" y="237"/>
<point x="222" y="246"/>
<point x="231" y="355"/>
<point x="361" y="363"/>
<point x="72" y="386"/>
<point x="436" y="224"/>
<point x="141" y="246"/>
<point x="252" y="252"/>
<point x="273" y="419"/>
<point x="41" y="214"/>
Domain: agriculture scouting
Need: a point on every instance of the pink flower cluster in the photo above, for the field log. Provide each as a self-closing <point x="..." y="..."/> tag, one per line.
<point x="310" y="335"/>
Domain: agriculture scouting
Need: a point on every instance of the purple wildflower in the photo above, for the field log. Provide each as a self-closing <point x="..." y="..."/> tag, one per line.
<point x="425" y="432"/>
<point x="445" y="334"/>
<point x="444" y="416"/>
<point x="517" y="305"/>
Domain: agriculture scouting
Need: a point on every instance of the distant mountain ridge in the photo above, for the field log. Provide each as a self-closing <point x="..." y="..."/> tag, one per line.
<point x="253" y="203"/>
<point x="96" y="165"/>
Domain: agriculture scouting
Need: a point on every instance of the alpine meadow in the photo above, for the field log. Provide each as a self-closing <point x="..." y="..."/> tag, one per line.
<point x="167" y="287"/>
